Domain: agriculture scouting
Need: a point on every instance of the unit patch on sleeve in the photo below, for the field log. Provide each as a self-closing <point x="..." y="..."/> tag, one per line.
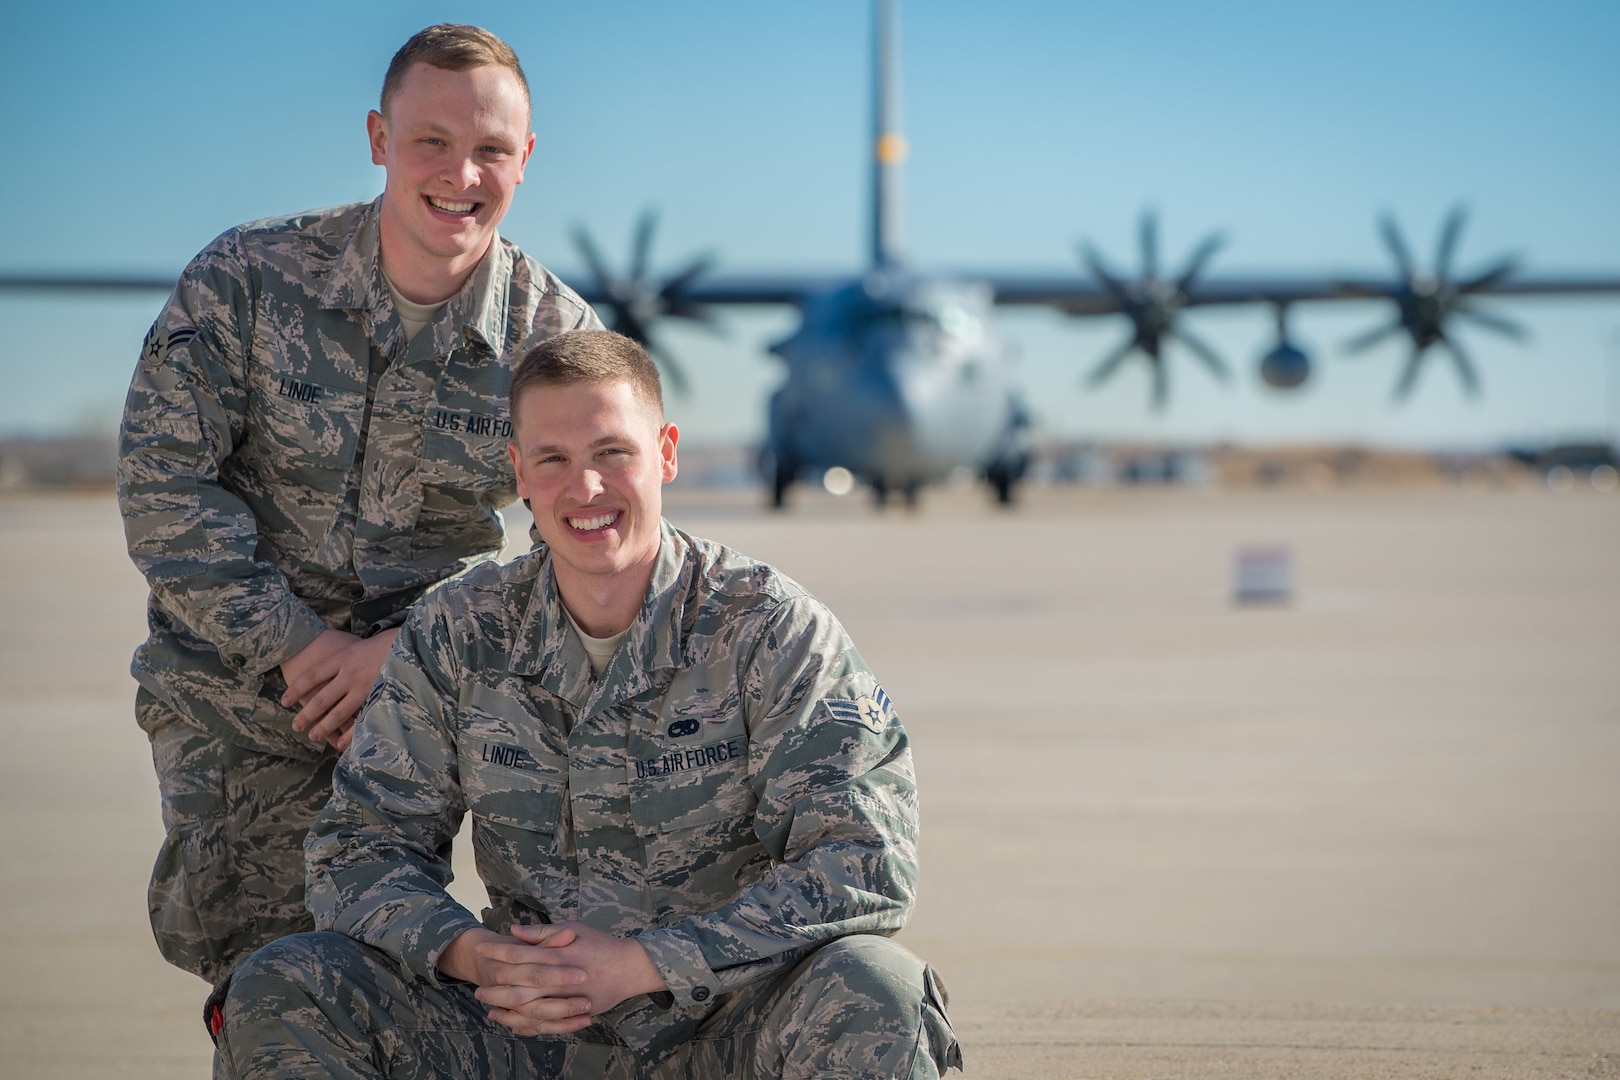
<point x="871" y="711"/>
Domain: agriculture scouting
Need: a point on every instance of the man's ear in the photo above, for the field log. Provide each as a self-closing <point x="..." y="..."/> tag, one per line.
<point x="668" y="436"/>
<point x="516" y="458"/>
<point x="377" y="133"/>
<point x="523" y="160"/>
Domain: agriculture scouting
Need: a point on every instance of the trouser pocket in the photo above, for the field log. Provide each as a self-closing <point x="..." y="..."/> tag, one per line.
<point x="937" y="1034"/>
<point x="195" y="902"/>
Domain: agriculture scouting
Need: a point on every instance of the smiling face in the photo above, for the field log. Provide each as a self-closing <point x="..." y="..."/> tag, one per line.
<point x="455" y="144"/>
<point x="591" y="459"/>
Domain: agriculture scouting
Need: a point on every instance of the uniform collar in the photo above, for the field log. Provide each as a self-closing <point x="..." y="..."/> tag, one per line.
<point x="652" y="648"/>
<point x="475" y="314"/>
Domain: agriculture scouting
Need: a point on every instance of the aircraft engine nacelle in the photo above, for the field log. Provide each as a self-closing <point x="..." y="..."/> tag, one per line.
<point x="1286" y="366"/>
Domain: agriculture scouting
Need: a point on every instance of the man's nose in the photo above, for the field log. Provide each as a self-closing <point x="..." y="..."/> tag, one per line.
<point x="587" y="485"/>
<point x="463" y="173"/>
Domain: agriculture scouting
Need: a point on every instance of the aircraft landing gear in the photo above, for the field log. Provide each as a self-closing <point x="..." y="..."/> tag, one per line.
<point x="780" y="472"/>
<point x="781" y="479"/>
<point x="1003" y="478"/>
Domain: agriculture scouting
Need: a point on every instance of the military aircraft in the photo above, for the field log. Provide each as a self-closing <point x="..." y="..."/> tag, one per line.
<point x="901" y="377"/>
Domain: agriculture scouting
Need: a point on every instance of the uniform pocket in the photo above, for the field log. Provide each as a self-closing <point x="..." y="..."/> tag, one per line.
<point x="306" y="424"/>
<point x="467" y="461"/>
<point x="463" y="478"/>
<point x="938" y="1038"/>
<point x="199" y="917"/>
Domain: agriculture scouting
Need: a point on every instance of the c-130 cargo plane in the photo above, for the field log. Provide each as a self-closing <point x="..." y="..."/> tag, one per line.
<point x="902" y="377"/>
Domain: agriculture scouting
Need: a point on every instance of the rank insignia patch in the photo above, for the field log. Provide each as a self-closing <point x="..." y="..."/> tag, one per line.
<point x="870" y="712"/>
<point x="160" y="343"/>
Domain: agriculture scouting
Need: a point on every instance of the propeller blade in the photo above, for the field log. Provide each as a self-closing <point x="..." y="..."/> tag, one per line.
<point x="694" y="270"/>
<point x="1397" y="247"/>
<point x="666" y="360"/>
<point x="1464" y="366"/>
<point x="641" y="246"/>
<point x="1106" y="369"/>
<point x="1209" y="356"/>
<point x="1200" y="258"/>
<point x="1148" y="235"/>
<point x="1414" y="360"/>
<point x="593" y="258"/>
<point x="1363" y="342"/>
<point x="1448" y="242"/>
<point x="1161" y="385"/>
<point x="626" y="323"/>
<point x="1102" y="272"/>
<point x="1505" y="326"/>
<point x="1489" y="279"/>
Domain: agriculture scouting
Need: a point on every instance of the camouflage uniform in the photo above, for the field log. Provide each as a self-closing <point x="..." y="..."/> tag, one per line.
<point x="734" y="790"/>
<point x="289" y="463"/>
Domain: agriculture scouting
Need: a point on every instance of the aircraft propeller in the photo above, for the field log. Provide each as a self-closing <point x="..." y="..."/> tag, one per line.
<point x="1424" y="303"/>
<point x="634" y="302"/>
<point x="1152" y="303"/>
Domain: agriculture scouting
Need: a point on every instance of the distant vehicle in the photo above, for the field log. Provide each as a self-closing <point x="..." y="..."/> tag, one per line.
<point x="902" y="377"/>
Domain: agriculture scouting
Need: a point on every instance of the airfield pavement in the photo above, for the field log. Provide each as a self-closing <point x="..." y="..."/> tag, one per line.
<point x="1373" y="832"/>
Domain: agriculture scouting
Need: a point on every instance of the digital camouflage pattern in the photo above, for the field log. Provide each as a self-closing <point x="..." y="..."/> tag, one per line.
<point x="735" y="789"/>
<point x="230" y="874"/>
<point x="324" y="1005"/>
<point x="288" y="463"/>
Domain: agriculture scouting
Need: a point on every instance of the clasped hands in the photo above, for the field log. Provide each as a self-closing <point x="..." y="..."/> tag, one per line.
<point x="550" y="979"/>
<point x="329" y="680"/>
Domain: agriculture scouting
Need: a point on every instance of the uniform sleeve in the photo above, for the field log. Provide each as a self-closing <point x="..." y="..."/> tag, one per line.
<point x="587" y="318"/>
<point x="195" y="542"/>
<point x="378" y="857"/>
<point x="837" y="812"/>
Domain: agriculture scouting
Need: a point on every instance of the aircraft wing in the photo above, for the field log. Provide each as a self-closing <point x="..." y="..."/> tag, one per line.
<point x="1080" y="295"/>
<point x="736" y="289"/>
<point x="89" y="282"/>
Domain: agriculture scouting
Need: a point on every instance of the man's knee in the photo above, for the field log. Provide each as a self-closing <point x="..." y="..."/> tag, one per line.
<point x="876" y="1002"/>
<point x="290" y="1008"/>
<point x="877" y="972"/>
<point x="290" y="972"/>
<point x="230" y="875"/>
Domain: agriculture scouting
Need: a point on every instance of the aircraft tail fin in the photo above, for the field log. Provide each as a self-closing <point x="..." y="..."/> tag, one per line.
<point x="888" y="145"/>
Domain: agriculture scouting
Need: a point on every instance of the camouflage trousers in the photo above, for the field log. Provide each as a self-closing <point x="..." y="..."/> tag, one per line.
<point x="230" y="875"/>
<point x="325" y="1005"/>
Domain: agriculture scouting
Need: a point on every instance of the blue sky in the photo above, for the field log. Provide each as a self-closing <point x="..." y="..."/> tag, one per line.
<point x="138" y="132"/>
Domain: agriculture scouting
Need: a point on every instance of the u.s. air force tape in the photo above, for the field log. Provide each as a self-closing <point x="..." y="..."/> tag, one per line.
<point x="871" y="711"/>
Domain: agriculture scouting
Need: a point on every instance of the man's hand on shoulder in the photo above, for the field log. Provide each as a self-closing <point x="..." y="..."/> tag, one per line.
<point x="329" y="680"/>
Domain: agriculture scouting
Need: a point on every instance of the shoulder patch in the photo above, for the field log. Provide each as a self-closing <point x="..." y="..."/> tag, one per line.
<point x="161" y="341"/>
<point x="871" y="711"/>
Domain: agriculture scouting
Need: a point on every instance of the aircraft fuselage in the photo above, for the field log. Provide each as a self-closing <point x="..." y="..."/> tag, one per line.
<point x="901" y="380"/>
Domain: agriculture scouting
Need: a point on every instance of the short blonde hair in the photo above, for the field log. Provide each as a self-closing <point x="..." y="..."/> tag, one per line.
<point x="451" y="47"/>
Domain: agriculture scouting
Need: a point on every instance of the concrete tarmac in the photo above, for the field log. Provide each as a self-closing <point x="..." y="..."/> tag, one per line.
<point x="1371" y="832"/>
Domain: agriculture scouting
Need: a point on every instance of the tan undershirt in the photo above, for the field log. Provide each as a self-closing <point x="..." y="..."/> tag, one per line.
<point x="599" y="649"/>
<point x="411" y="315"/>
